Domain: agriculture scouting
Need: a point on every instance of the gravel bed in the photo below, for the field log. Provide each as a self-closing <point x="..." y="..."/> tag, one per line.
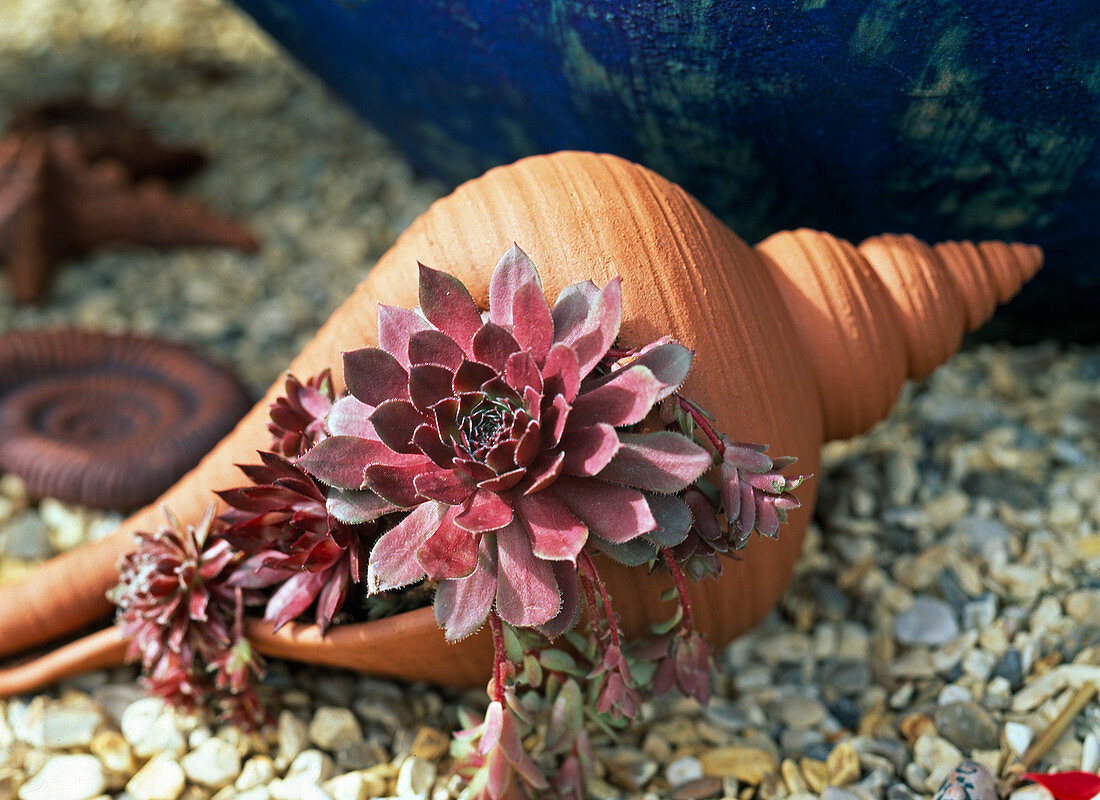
<point x="947" y="604"/>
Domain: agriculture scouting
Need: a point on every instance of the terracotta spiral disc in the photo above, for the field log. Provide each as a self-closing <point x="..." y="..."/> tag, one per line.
<point x="108" y="421"/>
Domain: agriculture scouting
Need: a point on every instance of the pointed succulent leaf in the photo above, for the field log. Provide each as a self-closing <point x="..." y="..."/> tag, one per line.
<point x="446" y="486"/>
<point x="395" y="327"/>
<point x="532" y="326"/>
<point x="293" y="597"/>
<point x="340" y="460"/>
<point x="767" y="520"/>
<point x="623" y="400"/>
<point x="490" y="732"/>
<point x="514" y="269"/>
<point x="393" y="561"/>
<point x="462" y="605"/>
<point x="448" y="305"/>
<point x="395" y="421"/>
<point x="602" y="327"/>
<point x="434" y="347"/>
<point x="561" y="373"/>
<point x="632" y="553"/>
<point x="747" y="457"/>
<point x="428" y="384"/>
<point x="673" y="519"/>
<point x="565" y="573"/>
<point x="331" y="598"/>
<point x="543" y="472"/>
<point x="450" y="552"/>
<point x="355" y="507"/>
<point x="374" y="376"/>
<point x="396" y="481"/>
<point x="589" y="450"/>
<point x="527" y="594"/>
<point x="669" y="362"/>
<point x="616" y="513"/>
<point x="658" y="462"/>
<point x="572" y="310"/>
<point x="556" y="535"/>
<point x="484" y="511"/>
<point x="521" y="372"/>
<point x="729" y="488"/>
<point x="351" y="417"/>
<point x="493" y="345"/>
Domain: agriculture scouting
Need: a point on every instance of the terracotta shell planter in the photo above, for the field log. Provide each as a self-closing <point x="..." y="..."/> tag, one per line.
<point x="801" y="339"/>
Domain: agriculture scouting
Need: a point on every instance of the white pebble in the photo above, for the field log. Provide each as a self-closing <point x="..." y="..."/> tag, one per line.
<point x="77" y="777"/>
<point x="312" y="764"/>
<point x="683" y="770"/>
<point x="1090" y="753"/>
<point x="257" y="771"/>
<point x="332" y="726"/>
<point x="293" y="737"/>
<point x="415" y="777"/>
<point x="297" y="787"/>
<point x="160" y="779"/>
<point x="1018" y="736"/>
<point x="213" y="764"/>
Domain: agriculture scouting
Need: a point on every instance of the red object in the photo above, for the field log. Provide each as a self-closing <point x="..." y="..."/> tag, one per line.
<point x="1068" y="785"/>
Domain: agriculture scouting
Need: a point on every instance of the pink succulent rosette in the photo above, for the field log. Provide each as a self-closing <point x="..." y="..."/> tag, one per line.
<point x="512" y="440"/>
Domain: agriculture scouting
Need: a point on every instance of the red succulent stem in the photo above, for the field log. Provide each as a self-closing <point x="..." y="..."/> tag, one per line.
<point x="688" y="622"/>
<point x="594" y="577"/>
<point x="703" y="423"/>
<point x="499" y="657"/>
<point x="591" y="610"/>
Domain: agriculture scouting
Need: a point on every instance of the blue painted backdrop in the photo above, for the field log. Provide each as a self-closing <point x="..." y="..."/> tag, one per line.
<point x="946" y="118"/>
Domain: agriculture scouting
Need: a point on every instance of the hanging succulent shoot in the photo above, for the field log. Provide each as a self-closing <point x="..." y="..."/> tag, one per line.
<point x="178" y="604"/>
<point x="492" y="455"/>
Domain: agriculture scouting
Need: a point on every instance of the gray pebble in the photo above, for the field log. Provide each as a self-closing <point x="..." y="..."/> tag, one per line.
<point x="968" y="726"/>
<point x="1011" y="668"/>
<point x="928" y="621"/>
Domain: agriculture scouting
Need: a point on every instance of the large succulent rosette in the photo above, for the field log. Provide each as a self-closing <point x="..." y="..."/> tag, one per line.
<point x="513" y="440"/>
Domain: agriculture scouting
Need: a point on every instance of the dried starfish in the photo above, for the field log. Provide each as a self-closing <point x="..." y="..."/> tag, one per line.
<point x="66" y="189"/>
<point x="105" y="132"/>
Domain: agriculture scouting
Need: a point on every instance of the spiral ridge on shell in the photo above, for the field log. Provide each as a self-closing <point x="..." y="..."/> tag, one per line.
<point x="890" y="309"/>
<point x="108" y="421"/>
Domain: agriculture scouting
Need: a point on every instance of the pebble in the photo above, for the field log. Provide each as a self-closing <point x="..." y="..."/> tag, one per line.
<point x="415" y="777"/>
<point x="842" y="766"/>
<point x="747" y="764"/>
<point x="214" y="763"/>
<point x="928" y="621"/>
<point x="256" y="771"/>
<point x="293" y="736"/>
<point x="114" y="751"/>
<point x="25" y="536"/>
<point x="331" y="727"/>
<point x="683" y="770"/>
<point x="357" y="785"/>
<point x="801" y="712"/>
<point x="967" y="781"/>
<point x="967" y="725"/>
<point x="1018" y="736"/>
<point x="312" y="765"/>
<point x="162" y="778"/>
<point x="699" y="789"/>
<point x="66" y="777"/>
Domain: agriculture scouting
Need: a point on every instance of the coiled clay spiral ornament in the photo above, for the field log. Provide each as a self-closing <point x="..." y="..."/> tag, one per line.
<point x="108" y="421"/>
<point x="802" y="339"/>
